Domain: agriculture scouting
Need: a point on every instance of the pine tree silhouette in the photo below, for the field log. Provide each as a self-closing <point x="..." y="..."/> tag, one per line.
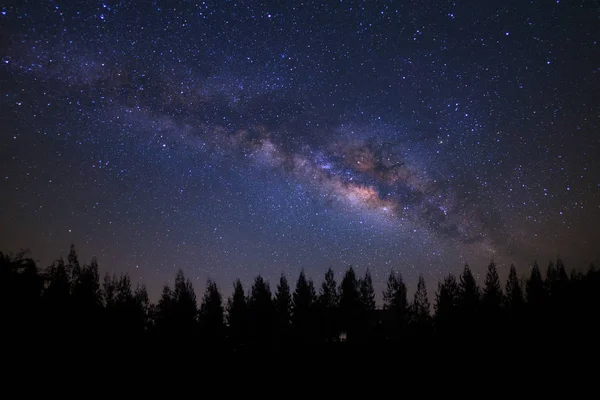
<point x="561" y="270"/>
<point x="329" y="293"/>
<point x="185" y="307"/>
<point x="536" y="288"/>
<point x="86" y="290"/>
<point x="514" y="301"/>
<point x="395" y="303"/>
<point x="366" y="323"/>
<point x="367" y="293"/>
<point x="124" y="293"/>
<point x="537" y="302"/>
<point x="57" y="301"/>
<point x="177" y="311"/>
<point x="559" y="289"/>
<point x="73" y="267"/>
<point x="109" y="290"/>
<point x="350" y="304"/>
<point x="447" y="307"/>
<point x="303" y="316"/>
<point x="58" y="290"/>
<point x="551" y="276"/>
<point x="125" y="312"/>
<point x="420" y="311"/>
<point x="492" y="302"/>
<point x="492" y="292"/>
<point x="469" y="291"/>
<point x="283" y="309"/>
<point x="166" y="315"/>
<point x="142" y="309"/>
<point x="469" y="301"/>
<point x="328" y="303"/>
<point x="260" y="306"/>
<point x="211" y="317"/>
<point x="559" y="304"/>
<point x="237" y="316"/>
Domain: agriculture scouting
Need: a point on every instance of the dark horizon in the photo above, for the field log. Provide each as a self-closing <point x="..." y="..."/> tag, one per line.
<point x="379" y="284"/>
<point x="68" y="303"/>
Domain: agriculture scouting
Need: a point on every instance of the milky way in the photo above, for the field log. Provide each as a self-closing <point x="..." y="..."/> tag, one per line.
<point x="232" y="139"/>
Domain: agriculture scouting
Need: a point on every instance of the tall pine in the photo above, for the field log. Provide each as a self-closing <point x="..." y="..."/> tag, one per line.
<point x="237" y="315"/>
<point x="469" y="300"/>
<point x="328" y="303"/>
<point x="536" y="289"/>
<point x="260" y="307"/>
<point x="492" y="301"/>
<point x="367" y="307"/>
<point x="492" y="292"/>
<point x="514" y="300"/>
<point x="350" y="304"/>
<point x="211" y="317"/>
<point x="186" y="307"/>
<point x="303" y="309"/>
<point x="367" y="293"/>
<point x="395" y="305"/>
<point x="447" y="306"/>
<point x="283" y="309"/>
<point x="420" y="310"/>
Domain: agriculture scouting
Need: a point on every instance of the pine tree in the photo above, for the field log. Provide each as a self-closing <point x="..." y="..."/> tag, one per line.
<point x="551" y="276"/>
<point x="87" y="298"/>
<point x="328" y="296"/>
<point x="260" y="306"/>
<point x="303" y="303"/>
<point x="492" y="292"/>
<point x="185" y="308"/>
<point x="514" y="292"/>
<point x="142" y="303"/>
<point x="283" y="308"/>
<point x="447" y="306"/>
<point x="469" y="302"/>
<point x="185" y="297"/>
<point x="492" y="302"/>
<point x="73" y="267"/>
<point x="109" y="290"/>
<point x="536" y="291"/>
<point x="469" y="292"/>
<point x="395" y="303"/>
<point x="125" y="313"/>
<point x="561" y="271"/>
<point x="561" y="283"/>
<point x="420" y="308"/>
<point x="349" y="302"/>
<point x="211" y="318"/>
<point x="328" y="306"/>
<point x="86" y="291"/>
<point x="166" y="313"/>
<point x="124" y="293"/>
<point x="57" y="301"/>
<point x="367" y="307"/>
<point x="367" y="293"/>
<point x="237" y="315"/>
<point x="57" y="292"/>
<point x="561" y="299"/>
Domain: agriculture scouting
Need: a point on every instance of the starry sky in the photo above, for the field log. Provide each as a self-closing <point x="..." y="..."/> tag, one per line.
<point x="236" y="138"/>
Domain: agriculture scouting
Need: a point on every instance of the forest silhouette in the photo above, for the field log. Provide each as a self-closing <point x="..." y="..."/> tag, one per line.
<point x="69" y="306"/>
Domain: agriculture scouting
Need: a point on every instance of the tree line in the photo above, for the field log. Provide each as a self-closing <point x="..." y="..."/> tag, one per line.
<point x="67" y="303"/>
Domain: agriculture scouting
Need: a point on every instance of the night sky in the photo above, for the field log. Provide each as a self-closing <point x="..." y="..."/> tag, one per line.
<point x="236" y="138"/>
